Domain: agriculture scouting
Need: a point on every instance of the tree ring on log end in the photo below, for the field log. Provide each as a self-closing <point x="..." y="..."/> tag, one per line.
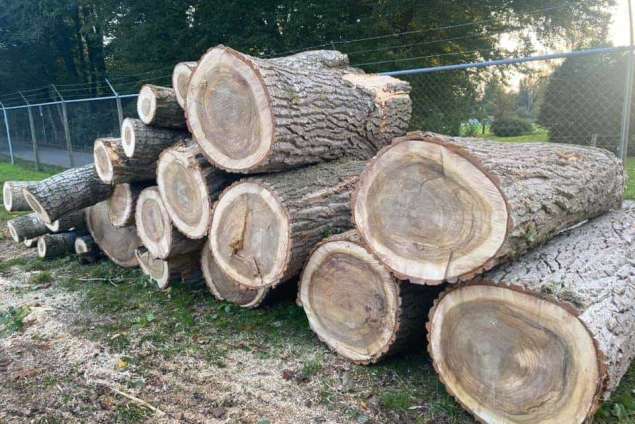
<point x="80" y="246"/>
<point x="146" y="105"/>
<point x="351" y="300"/>
<point x="41" y="247"/>
<point x="13" y="232"/>
<point x="184" y="190"/>
<point x="223" y="288"/>
<point x="7" y="197"/>
<point x="37" y="207"/>
<point x="511" y="357"/>
<point x="103" y="163"/>
<point x="429" y="213"/>
<point x="229" y="112"/>
<point x="121" y="205"/>
<point x="119" y="244"/>
<point x="157" y="269"/>
<point x="153" y="223"/>
<point x="181" y="80"/>
<point x="128" y="137"/>
<point x="249" y="235"/>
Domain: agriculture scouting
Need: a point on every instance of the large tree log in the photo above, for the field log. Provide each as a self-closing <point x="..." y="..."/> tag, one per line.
<point x="158" y="106"/>
<point x="356" y="306"/>
<point x="156" y="230"/>
<point x="546" y="338"/>
<point x="51" y="246"/>
<point x="144" y="144"/>
<point x="87" y="250"/>
<point x="252" y="115"/>
<point x="114" y="167"/>
<point x="434" y="208"/>
<point x="75" y="220"/>
<point x="123" y="202"/>
<point x="12" y="195"/>
<point x="181" y="80"/>
<point x="263" y="228"/>
<point x="225" y="289"/>
<point x="189" y="186"/>
<point x="118" y="244"/>
<point x="182" y="268"/>
<point x="26" y="227"/>
<point x="65" y="192"/>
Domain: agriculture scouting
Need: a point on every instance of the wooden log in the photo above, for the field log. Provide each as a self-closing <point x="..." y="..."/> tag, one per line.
<point x="65" y="192"/>
<point x="252" y="115"/>
<point x="26" y="227"/>
<point x="263" y="228"/>
<point x="75" y="220"/>
<point x="181" y="80"/>
<point x="435" y="208"/>
<point x="156" y="230"/>
<point x="114" y="167"/>
<point x="145" y="143"/>
<point x="158" y="106"/>
<point x="30" y="243"/>
<point x="224" y="288"/>
<point x="356" y="306"/>
<point x="12" y="195"/>
<point x="189" y="186"/>
<point x="50" y="246"/>
<point x="118" y="244"/>
<point x="123" y="202"/>
<point x="546" y="338"/>
<point x="182" y="268"/>
<point x="87" y="250"/>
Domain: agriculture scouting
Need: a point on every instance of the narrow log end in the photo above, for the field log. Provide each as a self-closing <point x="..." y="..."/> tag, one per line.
<point x="128" y="137"/>
<point x="156" y="269"/>
<point x="509" y="356"/>
<point x="13" y="233"/>
<point x="154" y="225"/>
<point x="53" y="227"/>
<point x="37" y="207"/>
<point x="103" y="163"/>
<point x="181" y="80"/>
<point x="428" y="212"/>
<point x="80" y="246"/>
<point x="146" y="104"/>
<point x="229" y="112"/>
<point x="30" y="243"/>
<point x="41" y="247"/>
<point x="121" y="206"/>
<point x="7" y="196"/>
<point x="118" y="244"/>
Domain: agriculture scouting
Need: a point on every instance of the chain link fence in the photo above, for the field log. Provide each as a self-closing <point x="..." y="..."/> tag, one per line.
<point x="577" y="97"/>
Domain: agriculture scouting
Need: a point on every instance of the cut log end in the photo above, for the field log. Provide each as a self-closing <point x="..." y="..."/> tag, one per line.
<point x="14" y="233"/>
<point x="229" y="113"/>
<point x="146" y="105"/>
<point x="7" y="197"/>
<point x="223" y="288"/>
<point x="118" y="244"/>
<point x="157" y="269"/>
<point x="128" y="137"/>
<point x="103" y="162"/>
<point x="13" y="196"/>
<point x="351" y="301"/>
<point x="508" y="356"/>
<point x="249" y="235"/>
<point x="181" y="80"/>
<point x="121" y="205"/>
<point x="428" y="212"/>
<point x="37" y="207"/>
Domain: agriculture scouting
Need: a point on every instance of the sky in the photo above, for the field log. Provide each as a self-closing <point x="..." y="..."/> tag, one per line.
<point x="619" y="33"/>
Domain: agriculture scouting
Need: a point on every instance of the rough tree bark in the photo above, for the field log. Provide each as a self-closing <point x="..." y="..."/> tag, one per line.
<point x="144" y="144"/>
<point x="252" y="115"/>
<point x="164" y="272"/>
<point x="30" y="243"/>
<point x="181" y="80"/>
<point x="12" y="195"/>
<point x="75" y="220"/>
<point x="156" y="230"/>
<point x="225" y="289"/>
<point x="118" y="244"/>
<point x="26" y="227"/>
<point x="263" y="228"/>
<point x="546" y="338"/>
<point x="189" y="186"/>
<point x="356" y="306"/>
<point x="159" y="107"/>
<point x="51" y="246"/>
<point x="434" y="208"/>
<point x="87" y="250"/>
<point x="65" y="192"/>
<point x="114" y="167"/>
<point x="123" y="202"/>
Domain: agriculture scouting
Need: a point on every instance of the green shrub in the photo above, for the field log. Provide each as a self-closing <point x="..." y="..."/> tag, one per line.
<point x="512" y="126"/>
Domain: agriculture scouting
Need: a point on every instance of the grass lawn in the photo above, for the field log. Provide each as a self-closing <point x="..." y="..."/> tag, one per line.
<point x="630" y="186"/>
<point x="20" y="172"/>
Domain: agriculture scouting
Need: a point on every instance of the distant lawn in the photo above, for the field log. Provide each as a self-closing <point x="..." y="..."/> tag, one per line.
<point x="539" y="135"/>
<point x="10" y="172"/>
<point x="630" y="186"/>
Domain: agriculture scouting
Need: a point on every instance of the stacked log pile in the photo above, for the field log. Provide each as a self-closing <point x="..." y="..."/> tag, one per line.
<point x="252" y="172"/>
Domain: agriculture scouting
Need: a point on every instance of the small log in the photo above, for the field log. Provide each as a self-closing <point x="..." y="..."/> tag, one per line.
<point x="26" y="227"/>
<point x="181" y="80"/>
<point x="50" y="246"/>
<point x="12" y="195"/>
<point x="75" y="220"/>
<point x="30" y="243"/>
<point x="156" y="230"/>
<point x="65" y="192"/>
<point x="122" y="203"/>
<point x="434" y="208"/>
<point x="356" y="306"/>
<point x="144" y="144"/>
<point x="87" y="250"/>
<point x="118" y="244"/>
<point x="183" y="268"/>
<point x="263" y="228"/>
<point x="189" y="186"/>
<point x="253" y="115"/>
<point x="224" y="288"/>
<point x="114" y="167"/>
<point x="158" y="106"/>
<point x="546" y="338"/>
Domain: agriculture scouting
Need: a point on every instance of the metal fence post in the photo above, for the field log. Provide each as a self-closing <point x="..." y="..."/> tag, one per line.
<point x="118" y="101"/>
<point x="36" y="155"/>
<point x="67" y="130"/>
<point x="6" y="125"/>
<point x="628" y="92"/>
